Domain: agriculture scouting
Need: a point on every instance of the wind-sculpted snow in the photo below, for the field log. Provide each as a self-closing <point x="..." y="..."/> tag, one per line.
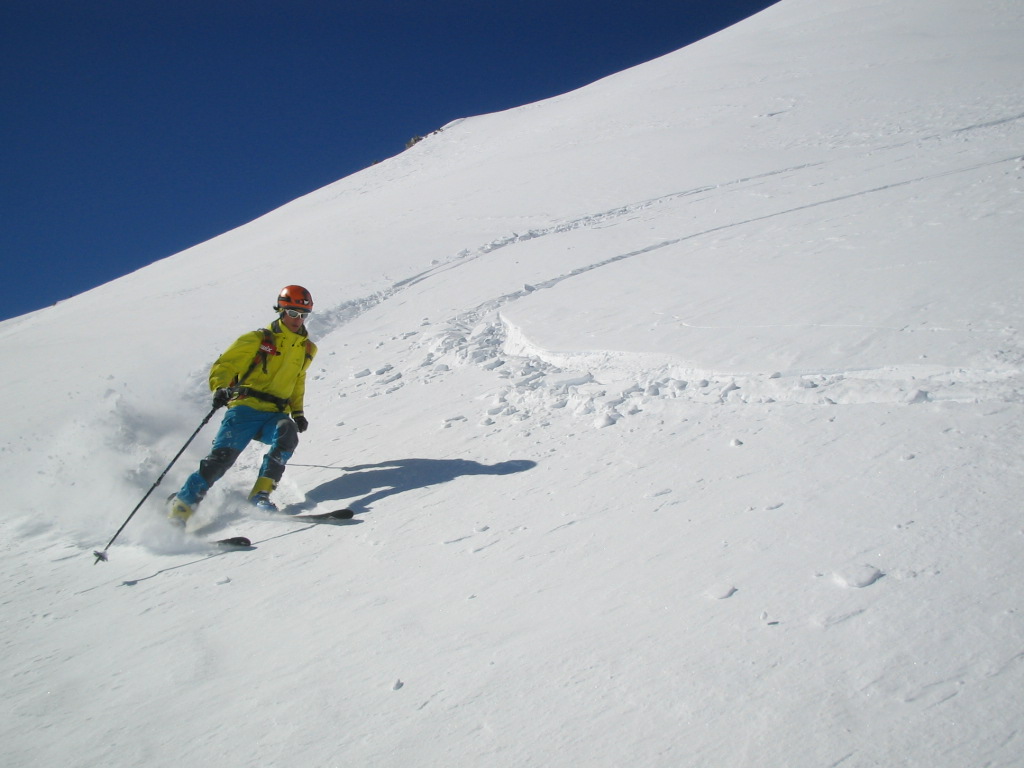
<point x="885" y="362"/>
<point x="606" y="387"/>
<point x="532" y="381"/>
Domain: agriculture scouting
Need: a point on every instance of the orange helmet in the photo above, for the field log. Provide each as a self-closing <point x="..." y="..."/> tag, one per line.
<point x="294" y="297"/>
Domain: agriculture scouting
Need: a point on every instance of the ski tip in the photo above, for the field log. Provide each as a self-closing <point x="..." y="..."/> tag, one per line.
<point x="99" y="556"/>
<point x="234" y="541"/>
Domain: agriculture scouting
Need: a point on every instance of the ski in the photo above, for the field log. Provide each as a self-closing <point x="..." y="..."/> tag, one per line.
<point x="338" y="514"/>
<point x="233" y="543"/>
<point x="325" y="517"/>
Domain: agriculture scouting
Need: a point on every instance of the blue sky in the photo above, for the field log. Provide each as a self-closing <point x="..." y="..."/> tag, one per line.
<point x="133" y="129"/>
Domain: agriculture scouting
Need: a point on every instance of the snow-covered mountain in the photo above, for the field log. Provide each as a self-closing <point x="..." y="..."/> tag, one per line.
<point x="682" y="417"/>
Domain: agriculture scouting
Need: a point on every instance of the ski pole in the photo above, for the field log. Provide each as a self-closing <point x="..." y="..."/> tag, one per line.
<point x="103" y="555"/>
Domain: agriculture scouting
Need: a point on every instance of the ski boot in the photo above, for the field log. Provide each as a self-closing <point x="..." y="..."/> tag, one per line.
<point x="178" y="511"/>
<point x="259" y="496"/>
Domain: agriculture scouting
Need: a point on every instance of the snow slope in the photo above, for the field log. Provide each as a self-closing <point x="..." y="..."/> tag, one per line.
<point x="681" y="414"/>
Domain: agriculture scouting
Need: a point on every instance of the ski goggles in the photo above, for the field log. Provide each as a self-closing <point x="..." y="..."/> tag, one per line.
<point x="303" y="313"/>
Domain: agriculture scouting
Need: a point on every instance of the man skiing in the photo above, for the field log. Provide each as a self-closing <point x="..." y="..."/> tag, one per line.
<point x="261" y="378"/>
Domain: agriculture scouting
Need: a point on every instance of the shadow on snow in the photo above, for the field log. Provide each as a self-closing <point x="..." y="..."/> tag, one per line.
<point x="374" y="482"/>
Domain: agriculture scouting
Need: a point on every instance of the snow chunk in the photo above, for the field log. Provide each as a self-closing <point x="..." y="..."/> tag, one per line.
<point x="918" y="396"/>
<point x="720" y="591"/>
<point x="858" y="576"/>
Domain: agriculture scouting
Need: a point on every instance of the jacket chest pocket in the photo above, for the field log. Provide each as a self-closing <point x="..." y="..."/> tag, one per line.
<point x="293" y="360"/>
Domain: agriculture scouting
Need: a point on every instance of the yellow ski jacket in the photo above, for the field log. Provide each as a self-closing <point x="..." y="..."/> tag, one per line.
<point x="278" y="359"/>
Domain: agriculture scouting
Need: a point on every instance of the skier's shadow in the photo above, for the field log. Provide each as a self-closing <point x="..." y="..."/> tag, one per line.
<point x="374" y="482"/>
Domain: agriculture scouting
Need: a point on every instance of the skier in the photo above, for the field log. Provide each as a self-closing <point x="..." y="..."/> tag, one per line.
<point x="261" y="378"/>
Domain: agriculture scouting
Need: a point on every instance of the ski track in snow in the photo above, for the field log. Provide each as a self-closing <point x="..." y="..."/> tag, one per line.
<point x="608" y="386"/>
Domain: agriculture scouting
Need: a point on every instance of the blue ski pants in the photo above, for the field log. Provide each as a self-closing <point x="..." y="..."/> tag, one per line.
<point x="240" y="426"/>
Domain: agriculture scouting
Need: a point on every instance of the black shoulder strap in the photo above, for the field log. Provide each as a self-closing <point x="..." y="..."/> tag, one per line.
<point x="266" y="349"/>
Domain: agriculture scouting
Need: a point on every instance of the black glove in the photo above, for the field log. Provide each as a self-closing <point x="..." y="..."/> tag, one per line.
<point x="222" y="396"/>
<point x="300" y="422"/>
